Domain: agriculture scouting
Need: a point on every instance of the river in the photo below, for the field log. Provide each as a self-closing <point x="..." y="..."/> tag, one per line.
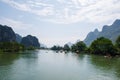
<point x="49" y="65"/>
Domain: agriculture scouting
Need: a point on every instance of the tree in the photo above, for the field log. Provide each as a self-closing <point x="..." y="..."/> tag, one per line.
<point x="66" y="47"/>
<point x="79" y="47"/>
<point x="11" y="46"/>
<point x="56" y="48"/>
<point x="117" y="44"/>
<point x="102" y="46"/>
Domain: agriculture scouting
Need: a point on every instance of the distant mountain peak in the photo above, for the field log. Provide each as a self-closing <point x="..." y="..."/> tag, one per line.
<point x="7" y="34"/>
<point x="30" y="40"/>
<point x="96" y="31"/>
<point x="30" y="35"/>
<point x="105" y="27"/>
<point x="111" y="32"/>
<point x="91" y="36"/>
<point x="116" y="22"/>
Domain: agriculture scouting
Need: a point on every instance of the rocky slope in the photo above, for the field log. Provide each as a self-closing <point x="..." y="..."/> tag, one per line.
<point x="91" y="36"/>
<point x="29" y="41"/>
<point x="7" y="34"/>
<point x="111" y="32"/>
<point x="18" y="38"/>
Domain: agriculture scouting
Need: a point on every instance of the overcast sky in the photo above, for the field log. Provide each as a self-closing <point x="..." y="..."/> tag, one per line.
<point x="58" y="21"/>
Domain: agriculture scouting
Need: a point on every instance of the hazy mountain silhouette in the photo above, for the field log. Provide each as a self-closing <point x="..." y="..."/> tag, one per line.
<point x="18" y="38"/>
<point x="91" y="36"/>
<point x="111" y="32"/>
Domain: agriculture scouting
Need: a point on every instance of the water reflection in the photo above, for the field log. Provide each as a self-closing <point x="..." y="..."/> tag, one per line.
<point x="30" y="54"/>
<point x="8" y="58"/>
<point x="109" y="66"/>
<point x="49" y="65"/>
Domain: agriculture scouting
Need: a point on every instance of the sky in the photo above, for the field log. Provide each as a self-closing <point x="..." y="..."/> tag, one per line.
<point x="57" y="22"/>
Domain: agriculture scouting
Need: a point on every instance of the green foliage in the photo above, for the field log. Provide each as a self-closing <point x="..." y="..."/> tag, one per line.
<point x="11" y="47"/>
<point x="102" y="46"/>
<point x="1" y="51"/>
<point x="117" y="44"/>
<point x="79" y="47"/>
<point x="66" y="48"/>
<point x="56" y="48"/>
<point x="31" y="48"/>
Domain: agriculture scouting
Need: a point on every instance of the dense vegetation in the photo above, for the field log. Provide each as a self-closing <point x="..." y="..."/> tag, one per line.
<point x="79" y="47"/>
<point x="10" y="47"/>
<point x="118" y="44"/>
<point x="66" y="47"/>
<point x="56" y="48"/>
<point x="11" y="42"/>
<point x="14" y="47"/>
<point x="100" y="46"/>
<point x="108" y="31"/>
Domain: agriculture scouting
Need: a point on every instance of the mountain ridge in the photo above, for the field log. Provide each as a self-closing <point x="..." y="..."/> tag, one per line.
<point x="29" y="41"/>
<point x="7" y="34"/>
<point x="111" y="32"/>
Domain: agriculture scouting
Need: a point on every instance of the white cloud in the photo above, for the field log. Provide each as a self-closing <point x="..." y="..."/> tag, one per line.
<point x="44" y="12"/>
<point x="18" y="25"/>
<point x="16" y="5"/>
<point x="71" y="11"/>
<point x="38" y="4"/>
<point x="29" y="7"/>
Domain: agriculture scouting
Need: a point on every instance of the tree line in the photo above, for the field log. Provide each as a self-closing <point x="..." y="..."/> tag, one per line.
<point x="11" y="47"/>
<point x="14" y="47"/>
<point x="100" y="46"/>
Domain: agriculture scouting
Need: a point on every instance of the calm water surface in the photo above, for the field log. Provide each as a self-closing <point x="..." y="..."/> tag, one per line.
<point x="49" y="65"/>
